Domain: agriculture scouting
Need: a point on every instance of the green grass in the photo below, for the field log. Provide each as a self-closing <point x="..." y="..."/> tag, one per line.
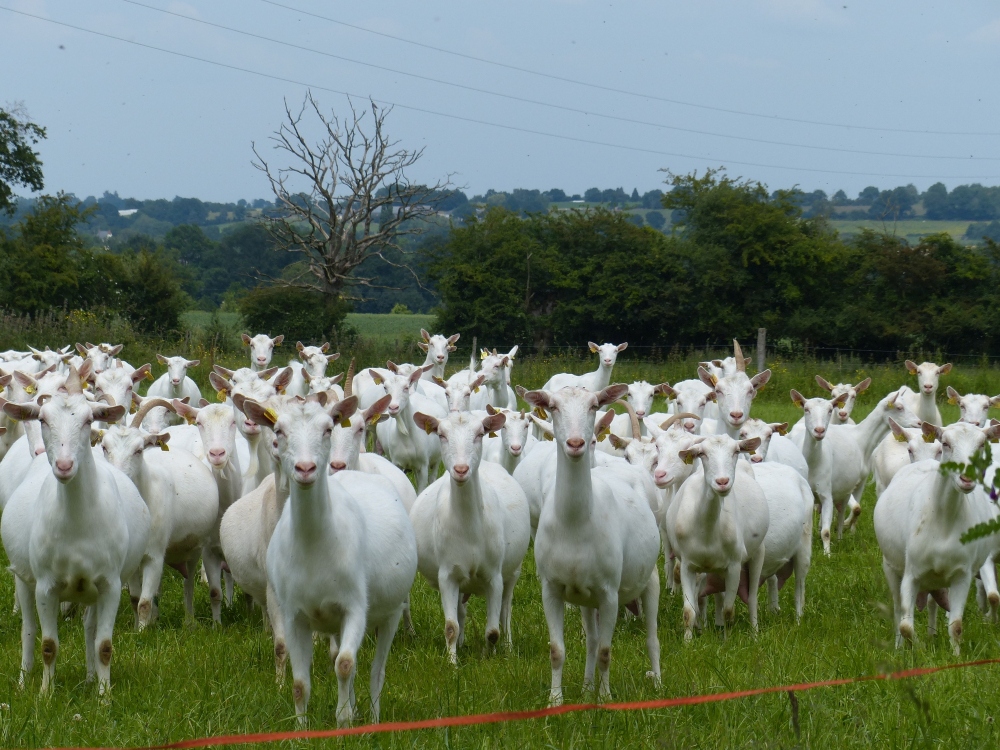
<point x="911" y="229"/>
<point x="176" y="681"/>
<point x="373" y="326"/>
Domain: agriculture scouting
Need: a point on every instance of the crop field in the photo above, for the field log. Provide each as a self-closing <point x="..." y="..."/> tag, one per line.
<point x="368" y="325"/>
<point x="179" y="680"/>
<point x="911" y="229"/>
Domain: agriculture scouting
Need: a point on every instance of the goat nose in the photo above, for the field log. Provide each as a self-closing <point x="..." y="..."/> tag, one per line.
<point x="575" y="443"/>
<point x="64" y="465"/>
<point x="722" y="482"/>
<point x="659" y="475"/>
<point x="640" y="413"/>
<point x="338" y="465"/>
<point x="461" y="469"/>
<point x="736" y="415"/>
<point x="305" y="467"/>
<point x="217" y="453"/>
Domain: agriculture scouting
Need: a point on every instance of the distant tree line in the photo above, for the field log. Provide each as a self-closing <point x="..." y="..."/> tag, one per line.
<point x="739" y="258"/>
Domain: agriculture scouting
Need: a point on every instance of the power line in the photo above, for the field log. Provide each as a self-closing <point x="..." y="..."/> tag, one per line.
<point x="624" y="92"/>
<point x="550" y="105"/>
<point x="462" y="118"/>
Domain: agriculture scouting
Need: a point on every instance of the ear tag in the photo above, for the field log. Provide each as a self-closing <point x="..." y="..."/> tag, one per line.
<point x="221" y="395"/>
<point x="85" y="385"/>
<point x="281" y="390"/>
<point x="952" y="401"/>
<point x="715" y="380"/>
<point x="689" y="459"/>
<point x="29" y="389"/>
<point x="190" y="420"/>
<point x="374" y="420"/>
<point x="148" y="375"/>
<point x="427" y="428"/>
<point x="548" y="436"/>
<point x="132" y="410"/>
<point x="484" y="354"/>
<point x="751" y="453"/>
<point x="377" y="379"/>
<point x="493" y="434"/>
<point x="891" y="405"/>
<point x="271" y="414"/>
<point x="900" y="438"/>
<point x="929" y="437"/>
<point x="799" y="405"/>
<point x="540" y="413"/>
<point x="782" y="432"/>
<point x="346" y="423"/>
<point x="995" y="440"/>
<point x="163" y="447"/>
<point x="476" y="389"/>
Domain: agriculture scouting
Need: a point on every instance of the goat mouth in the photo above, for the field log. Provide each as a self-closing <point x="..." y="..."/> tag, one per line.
<point x="965" y="484"/>
<point x="842" y="414"/>
<point x="756" y="459"/>
<point x="305" y="477"/>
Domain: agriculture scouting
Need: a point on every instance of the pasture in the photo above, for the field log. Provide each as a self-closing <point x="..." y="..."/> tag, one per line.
<point x="178" y="680"/>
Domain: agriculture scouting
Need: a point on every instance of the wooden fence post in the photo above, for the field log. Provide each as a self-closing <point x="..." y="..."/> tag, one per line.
<point x="761" y="347"/>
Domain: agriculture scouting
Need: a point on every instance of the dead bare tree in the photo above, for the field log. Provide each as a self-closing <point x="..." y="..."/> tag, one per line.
<point x="355" y="201"/>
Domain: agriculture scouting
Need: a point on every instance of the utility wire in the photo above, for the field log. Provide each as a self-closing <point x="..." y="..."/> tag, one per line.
<point x="550" y="105"/>
<point x="476" y="121"/>
<point x="625" y="92"/>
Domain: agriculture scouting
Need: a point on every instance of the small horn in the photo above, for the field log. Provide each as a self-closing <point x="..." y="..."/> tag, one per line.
<point x="107" y="398"/>
<point x="349" y="379"/>
<point x="147" y="405"/>
<point x="741" y="364"/>
<point x="636" y="428"/>
<point x="674" y="418"/>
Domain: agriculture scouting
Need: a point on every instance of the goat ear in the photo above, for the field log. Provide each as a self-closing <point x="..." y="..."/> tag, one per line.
<point x="391" y="366"/>
<point x="189" y="413"/>
<point x="779" y="427"/>
<point x="823" y="383"/>
<point x="332" y="357"/>
<point x="306" y="376"/>
<point x="618" y="443"/>
<point x="104" y="413"/>
<point x="688" y="456"/>
<point x="611" y="394"/>
<point x="376" y="411"/>
<point x="623" y="346"/>
<point x="426" y="422"/>
<point x="116" y="350"/>
<point x="222" y="386"/>
<point x="279" y="339"/>
<point x="86" y="371"/>
<point x="246" y="340"/>
<point x="141" y="373"/>
<point x="911" y="367"/>
<point x="373" y="373"/>
<point x="424" y="335"/>
<point x="537" y="398"/>
<point x="423" y="346"/>
<point x="863" y="385"/>
<point x="259" y="413"/>
<point x="440" y="381"/>
<point x="759" y="380"/>
<point x="159" y="439"/>
<point x="667" y="390"/>
<point x="453" y="339"/>
<point x="953" y="396"/>
<point x="603" y="426"/>
<point x="797" y="398"/>
<point x="994" y="402"/>
<point x="944" y="369"/>
<point x="897" y="431"/>
<point x="992" y="432"/>
<point x="593" y="347"/>
<point x="193" y="362"/>
<point x="268" y="373"/>
<point x="222" y="371"/>
<point x="161" y="359"/>
<point x="81" y="349"/>
<point x="5" y="380"/>
<point x="931" y="432"/>
<point x="21" y="412"/>
<point x="342" y="411"/>
<point x="749" y="446"/>
<point x="494" y="422"/>
<point x="415" y="375"/>
<point x="282" y="380"/>
<point x="840" y="400"/>
<point x="513" y="352"/>
<point x="707" y="378"/>
<point x="299" y="346"/>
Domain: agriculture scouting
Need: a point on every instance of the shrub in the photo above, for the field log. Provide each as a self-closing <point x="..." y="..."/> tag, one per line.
<point x="300" y="314"/>
<point x="400" y="309"/>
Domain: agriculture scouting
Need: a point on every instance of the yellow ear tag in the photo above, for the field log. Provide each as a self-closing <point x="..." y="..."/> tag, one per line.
<point x="476" y="389"/>
<point x="929" y="437"/>
<point x="427" y="428"/>
<point x="900" y="438"/>
<point x="782" y="432"/>
<point x="377" y="379"/>
<point x="890" y="405"/>
<point x="493" y="434"/>
<point x="715" y="380"/>
<point x="689" y="459"/>
<point x="995" y="440"/>
<point x="672" y="397"/>
<point x="221" y="395"/>
<point x="751" y="453"/>
<point x="163" y="447"/>
<point x="132" y="410"/>
<point x="375" y="419"/>
<point x="29" y="389"/>
<point x="346" y="423"/>
<point x="540" y="413"/>
<point x="548" y="436"/>
<point x="799" y="404"/>
<point x="952" y="401"/>
<point x="148" y="375"/>
<point x="271" y="414"/>
<point x="190" y="420"/>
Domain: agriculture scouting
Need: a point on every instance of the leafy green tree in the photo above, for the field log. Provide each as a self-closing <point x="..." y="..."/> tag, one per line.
<point x="19" y="162"/>
<point x="299" y="314"/>
<point x="655" y="220"/>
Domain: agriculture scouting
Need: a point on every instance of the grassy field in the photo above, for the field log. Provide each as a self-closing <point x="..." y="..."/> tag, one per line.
<point x="368" y="325"/>
<point x="177" y="681"/>
<point x="911" y="229"/>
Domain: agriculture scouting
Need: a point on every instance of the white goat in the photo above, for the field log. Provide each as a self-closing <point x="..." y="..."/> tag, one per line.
<point x="515" y="441"/>
<point x="175" y="383"/>
<point x="472" y="528"/>
<point x="919" y="521"/>
<point x="640" y="398"/>
<point x="342" y="557"/>
<point x="101" y="356"/>
<point x="261" y="349"/>
<point x="597" y="541"/>
<point x="408" y="447"/>
<point x="593" y="381"/>
<point x="915" y="445"/>
<point x="774" y="446"/>
<point x="924" y="402"/>
<point x="183" y="504"/>
<point x="717" y="523"/>
<point x="734" y="393"/>
<point x="75" y="534"/>
<point x="974" y="408"/>
<point x="437" y="348"/>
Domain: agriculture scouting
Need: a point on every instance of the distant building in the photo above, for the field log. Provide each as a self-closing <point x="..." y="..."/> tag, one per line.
<point x="127" y="211"/>
<point x="104" y="235"/>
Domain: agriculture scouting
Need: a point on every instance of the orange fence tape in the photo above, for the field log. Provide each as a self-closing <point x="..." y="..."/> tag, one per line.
<point x="504" y="716"/>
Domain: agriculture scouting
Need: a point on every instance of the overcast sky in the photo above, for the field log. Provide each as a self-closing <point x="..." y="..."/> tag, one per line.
<point x="152" y="124"/>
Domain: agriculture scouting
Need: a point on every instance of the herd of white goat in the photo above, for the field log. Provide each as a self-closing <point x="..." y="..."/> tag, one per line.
<point x="272" y="488"/>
